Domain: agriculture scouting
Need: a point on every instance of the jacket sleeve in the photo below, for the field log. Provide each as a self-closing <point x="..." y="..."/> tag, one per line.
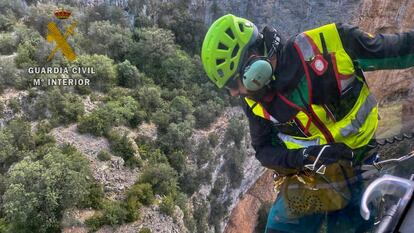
<point x="271" y="155"/>
<point x="382" y="51"/>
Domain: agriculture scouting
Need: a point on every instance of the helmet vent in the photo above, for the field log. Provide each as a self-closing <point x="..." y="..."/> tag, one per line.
<point x="230" y="33"/>
<point x="232" y="65"/>
<point x="220" y="73"/>
<point x="235" y="50"/>
<point x="241" y="27"/>
<point x="222" y="46"/>
<point x="219" y="61"/>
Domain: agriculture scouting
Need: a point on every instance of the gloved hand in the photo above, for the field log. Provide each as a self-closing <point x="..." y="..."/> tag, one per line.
<point x="317" y="156"/>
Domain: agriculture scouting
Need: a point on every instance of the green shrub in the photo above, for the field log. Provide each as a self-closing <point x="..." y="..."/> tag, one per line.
<point x="205" y="114"/>
<point x="128" y="75"/>
<point x="114" y="213"/>
<point x="235" y="131"/>
<point x="203" y="153"/>
<point x="104" y="77"/>
<point x="114" y="113"/>
<point x="95" y="196"/>
<point x="144" y="230"/>
<point x="7" y="43"/>
<point x="167" y="205"/>
<point x="132" y="206"/>
<point x="177" y="160"/>
<point x="213" y="139"/>
<point x="181" y="106"/>
<point x="42" y="136"/>
<point x="104" y="155"/>
<point x="234" y="166"/>
<point x="97" y="122"/>
<point x="162" y="178"/>
<point x="56" y="182"/>
<point x="176" y="137"/>
<point x="143" y="192"/>
<point x="122" y="146"/>
<point x="108" y="39"/>
<point x="21" y="133"/>
<point x="14" y="105"/>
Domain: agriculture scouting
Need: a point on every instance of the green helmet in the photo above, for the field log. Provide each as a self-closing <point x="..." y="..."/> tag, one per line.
<point x="225" y="46"/>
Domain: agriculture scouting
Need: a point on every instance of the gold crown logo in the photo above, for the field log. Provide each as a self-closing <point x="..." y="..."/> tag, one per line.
<point x="62" y="14"/>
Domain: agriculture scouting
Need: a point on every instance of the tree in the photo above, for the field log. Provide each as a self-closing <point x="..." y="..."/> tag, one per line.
<point x="181" y="106"/>
<point x="147" y="54"/>
<point x="162" y="177"/>
<point x="39" y="191"/>
<point x="108" y="39"/>
<point x="203" y="153"/>
<point x="128" y="75"/>
<point x="105" y="71"/>
<point x="7" y="43"/>
<point x="235" y="132"/>
<point x="143" y="192"/>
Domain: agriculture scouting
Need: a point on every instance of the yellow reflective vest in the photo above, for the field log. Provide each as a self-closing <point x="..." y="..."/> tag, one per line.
<point x="329" y="72"/>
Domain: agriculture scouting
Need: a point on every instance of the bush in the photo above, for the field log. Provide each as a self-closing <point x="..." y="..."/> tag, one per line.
<point x="114" y="213"/>
<point x="41" y="136"/>
<point x="104" y="155"/>
<point x="203" y="153"/>
<point x="213" y="139"/>
<point x="97" y="122"/>
<point x="176" y="137"/>
<point x="167" y="205"/>
<point x="162" y="178"/>
<point x="144" y="230"/>
<point x="205" y="114"/>
<point x="122" y="146"/>
<point x="108" y="39"/>
<point x="114" y="113"/>
<point x="95" y="196"/>
<point x="143" y="192"/>
<point x="8" y="73"/>
<point x="14" y="105"/>
<point x="181" y="106"/>
<point x="234" y="166"/>
<point x="128" y="75"/>
<point x="235" y="132"/>
<point x="39" y="191"/>
<point x="177" y="160"/>
<point x="7" y="43"/>
<point x="65" y="108"/>
<point x="21" y="133"/>
<point x="104" y="77"/>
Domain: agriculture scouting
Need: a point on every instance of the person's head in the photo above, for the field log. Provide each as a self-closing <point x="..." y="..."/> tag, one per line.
<point x="232" y="56"/>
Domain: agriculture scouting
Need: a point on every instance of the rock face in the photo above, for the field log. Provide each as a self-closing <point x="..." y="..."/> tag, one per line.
<point x="112" y="174"/>
<point x="290" y="17"/>
<point x="392" y="88"/>
<point x="261" y="192"/>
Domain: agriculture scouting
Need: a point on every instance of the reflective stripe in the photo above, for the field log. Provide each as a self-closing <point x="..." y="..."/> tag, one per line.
<point x="305" y="46"/>
<point x="304" y="143"/>
<point x="361" y="116"/>
<point x="346" y="82"/>
<point x="258" y="110"/>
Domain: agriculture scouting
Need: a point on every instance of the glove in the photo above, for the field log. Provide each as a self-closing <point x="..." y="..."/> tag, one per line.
<point x="315" y="157"/>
